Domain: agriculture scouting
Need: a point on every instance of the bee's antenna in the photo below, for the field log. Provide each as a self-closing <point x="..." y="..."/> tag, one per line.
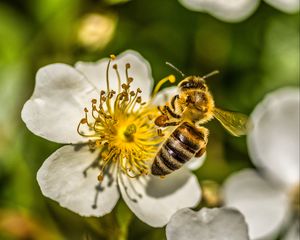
<point x="175" y="68"/>
<point x="211" y="74"/>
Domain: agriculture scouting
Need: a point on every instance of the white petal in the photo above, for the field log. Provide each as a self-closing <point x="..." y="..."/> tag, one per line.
<point x="226" y="10"/>
<point x="265" y="207"/>
<point x="61" y="178"/>
<point x="288" y="6"/>
<point x="293" y="232"/>
<point x="140" y="70"/>
<point x="273" y="140"/>
<point x="207" y="224"/>
<point x="56" y="106"/>
<point x="165" y="95"/>
<point x="196" y="163"/>
<point x="160" y="198"/>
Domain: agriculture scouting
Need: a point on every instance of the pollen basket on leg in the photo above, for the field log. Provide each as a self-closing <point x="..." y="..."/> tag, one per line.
<point x="119" y="121"/>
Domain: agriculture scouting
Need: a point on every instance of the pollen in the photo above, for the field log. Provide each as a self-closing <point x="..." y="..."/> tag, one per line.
<point x="120" y="126"/>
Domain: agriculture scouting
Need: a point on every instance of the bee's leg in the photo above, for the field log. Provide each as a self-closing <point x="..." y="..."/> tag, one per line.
<point x="172" y="123"/>
<point x="200" y="152"/>
<point x="202" y="140"/>
<point x="174" y="103"/>
<point x="172" y="114"/>
<point x="161" y="110"/>
<point x="164" y="121"/>
<point x="167" y="117"/>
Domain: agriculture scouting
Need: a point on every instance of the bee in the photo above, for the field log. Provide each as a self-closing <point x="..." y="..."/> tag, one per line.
<point x="188" y="110"/>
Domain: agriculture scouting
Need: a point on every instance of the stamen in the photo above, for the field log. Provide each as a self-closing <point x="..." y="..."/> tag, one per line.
<point x="105" y="161"/>
<point x="115" y="66"/>
<point x="129" y="80"/>
<point x="127" y="66"/>
<point x="170" y="78"/>
<point x="112" y="57"/>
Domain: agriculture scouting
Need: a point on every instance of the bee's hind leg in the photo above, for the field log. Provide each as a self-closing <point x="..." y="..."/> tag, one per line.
<point x="200" y="152"/>
<point x="203" y="142"/>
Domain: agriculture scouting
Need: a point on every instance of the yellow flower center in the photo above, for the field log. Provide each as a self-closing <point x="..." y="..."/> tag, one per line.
<point x="121" y="126"/>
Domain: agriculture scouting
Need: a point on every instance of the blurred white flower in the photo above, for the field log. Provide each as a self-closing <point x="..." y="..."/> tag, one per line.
<point x="115" y="140"/>
<point x="269" y="199"/>
<point x="288" y="6"/>
<point x="96" y="30"/>
<point x="207" y="224"/>
<point x="237" y="10"/>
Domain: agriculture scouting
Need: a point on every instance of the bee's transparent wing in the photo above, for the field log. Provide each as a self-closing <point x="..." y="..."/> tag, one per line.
<point x="233" y="122"/>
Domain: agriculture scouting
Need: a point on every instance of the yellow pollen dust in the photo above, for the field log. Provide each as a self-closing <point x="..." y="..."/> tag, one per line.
<point x="120" y="125"/>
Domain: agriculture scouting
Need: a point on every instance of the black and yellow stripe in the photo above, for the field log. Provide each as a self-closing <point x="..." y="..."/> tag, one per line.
<point x="180" y="147"/>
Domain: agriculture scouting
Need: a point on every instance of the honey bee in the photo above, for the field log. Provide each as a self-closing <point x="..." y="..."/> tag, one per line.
<point x="188" y="110"/>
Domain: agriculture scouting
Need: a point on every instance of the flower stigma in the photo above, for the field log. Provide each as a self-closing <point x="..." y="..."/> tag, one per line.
<point x="121" y="126"/>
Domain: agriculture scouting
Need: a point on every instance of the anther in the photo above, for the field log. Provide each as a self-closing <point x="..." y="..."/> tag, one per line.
<point x="139" y="90"/>
<point x="125" y="86"/>
<point x="98" y="143"/>
<point x="83" y="121"/>
<point x="132" y="93"/>
<point x="139" y="99"/>
<point x="127" y="65"/>
<point x="130" y="80"/>
<point x="100" y="177"/>
<point x="86" y="110"/>
<point x="115" y="66"/>
<point x="102" y="92"/>
<point x="112" y="56"/>
<point x="94" y="101"/>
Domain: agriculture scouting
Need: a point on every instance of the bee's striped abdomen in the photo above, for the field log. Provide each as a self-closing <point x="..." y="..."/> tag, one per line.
<point x="180" y="147"/>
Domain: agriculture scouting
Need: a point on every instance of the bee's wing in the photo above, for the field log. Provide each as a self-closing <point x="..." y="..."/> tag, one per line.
<point x="233" y="122"/>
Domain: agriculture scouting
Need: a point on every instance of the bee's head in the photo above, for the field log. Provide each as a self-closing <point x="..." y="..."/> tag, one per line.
<point x="192" y="83"/>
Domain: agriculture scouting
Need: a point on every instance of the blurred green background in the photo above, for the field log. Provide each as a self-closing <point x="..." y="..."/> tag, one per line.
<point x="254" y="57"/>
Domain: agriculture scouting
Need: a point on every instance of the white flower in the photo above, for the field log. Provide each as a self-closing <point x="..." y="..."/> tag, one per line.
<point x="270" y="198"/>
<point x="207" y="224"/>
<point x="237" y="10"/>
<point x="102" y="111"/>
<point x="288" y="6"/>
